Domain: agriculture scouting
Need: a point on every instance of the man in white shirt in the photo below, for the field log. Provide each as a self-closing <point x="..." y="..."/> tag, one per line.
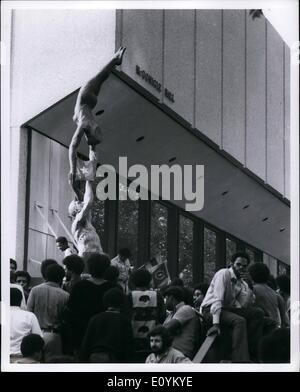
<point x="229" y="302"/>
<point x="48" y="302"/>
<point x="22" y="323"/>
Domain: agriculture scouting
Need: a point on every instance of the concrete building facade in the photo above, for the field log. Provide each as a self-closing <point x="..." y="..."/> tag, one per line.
<point x="207" y="87"/>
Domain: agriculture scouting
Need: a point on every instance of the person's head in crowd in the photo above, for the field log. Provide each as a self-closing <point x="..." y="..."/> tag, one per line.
<point x="284" y="285"/>
<point x="239" y="263"/>
<point x="160" y="339"/>
<point x="61" y="359"/>
<point x="13" y="265"/>
<point x="97" y="263"/>
<point x="23" y="278"/>
<point x="114" y="298"/>
<point x="275" y="347"/>
<point x="112" y="274"/>
<point x="74" y="266"/>
<point x="45" y="264"/>
<point x="12" y="277"/>
<point x="272" y="282"/>
<point x="124" y="254"/>
<point x="173" y="295"/>
<point x="188" y="292"/>
<point x="259" y="273"/>
<point x="15" y="297"/>
<point x="55" y="274"/>
<point x="199" y="293"/>
<point x="32" y="346"/>
<point x="62" y="243"/>
<point x="141" y="279"/>
<point x="177" y="282"/>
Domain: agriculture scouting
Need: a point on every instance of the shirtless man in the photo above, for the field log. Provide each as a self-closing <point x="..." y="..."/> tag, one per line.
<point x="85" y="236"/>
<point x="83" y="115"/>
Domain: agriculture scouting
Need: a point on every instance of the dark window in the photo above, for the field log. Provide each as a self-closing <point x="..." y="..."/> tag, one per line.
<point x="282" y="268"/>
<point x="98" y="212"/>
<point x="231" y="249"/>
<point x="159" y="231"/>
<point x="210" y="239"/>
<point x="185" y="259"/>
<point x="128" y="224"/>
<point x="251" y="254"/>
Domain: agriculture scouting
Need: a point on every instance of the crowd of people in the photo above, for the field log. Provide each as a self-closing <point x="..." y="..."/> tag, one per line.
<point x="105" y="311"/>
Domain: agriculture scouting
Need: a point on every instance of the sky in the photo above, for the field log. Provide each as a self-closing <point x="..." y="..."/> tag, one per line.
<point x="284" y="20"/>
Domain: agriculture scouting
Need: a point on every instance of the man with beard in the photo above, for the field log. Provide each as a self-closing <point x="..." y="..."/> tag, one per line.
<point x="228" y="304"/>
<point x="162" y="352"/>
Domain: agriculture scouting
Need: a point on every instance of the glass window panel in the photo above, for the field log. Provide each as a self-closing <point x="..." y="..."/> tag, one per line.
<point x="128" y="225"/>
<point x="283" y="269"/>
<point x="271" y="262"/>
<point x="159" y="231"/>
<point x="231" y="249"/>
<point x="185" y="266"/>
<point x="98" y="212"/>
<point x="251" y="254"/>
<point x="210" y="242"/>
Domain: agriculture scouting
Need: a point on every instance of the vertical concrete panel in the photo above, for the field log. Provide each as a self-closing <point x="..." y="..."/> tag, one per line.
<point x="179" y="61"/>
<point x="119" y="29"/>
<point x="39" y="181"/>
<point x="234" y="83"/>
<point x="275" y="110"/>
<point x="256" y="96"/>
<point x="143" y="37"/>
<point x="287" y="89"/>
<point x="208" y="106"/>
<point x="21" y="199"/>
<point x="51" y="250"/>
<point x="37" y="243"/>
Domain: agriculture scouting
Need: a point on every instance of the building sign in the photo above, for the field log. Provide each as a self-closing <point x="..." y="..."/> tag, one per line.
<point x="154" y="83"/>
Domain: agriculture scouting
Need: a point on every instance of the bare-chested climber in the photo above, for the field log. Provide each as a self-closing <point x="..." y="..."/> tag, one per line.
<point x="84" y="117"/>
<point x="85" y="236"/>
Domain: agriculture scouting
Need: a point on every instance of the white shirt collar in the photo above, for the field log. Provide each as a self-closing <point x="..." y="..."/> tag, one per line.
<point x="232" y="274"/>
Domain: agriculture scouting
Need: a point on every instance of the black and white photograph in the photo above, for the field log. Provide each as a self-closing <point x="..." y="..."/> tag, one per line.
<point x="150" y="187"/>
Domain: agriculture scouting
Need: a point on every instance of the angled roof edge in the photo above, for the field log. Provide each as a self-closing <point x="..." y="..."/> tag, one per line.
<point x="176" y="117"/>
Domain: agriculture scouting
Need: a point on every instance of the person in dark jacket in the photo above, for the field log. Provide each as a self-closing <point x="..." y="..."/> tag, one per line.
<point x="86" y="298"/>
<point x="108" y="338"/>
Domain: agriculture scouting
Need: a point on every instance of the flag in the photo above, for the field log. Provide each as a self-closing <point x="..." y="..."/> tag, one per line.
<point x="85" y="170"/>
<point x="159" y="272"/>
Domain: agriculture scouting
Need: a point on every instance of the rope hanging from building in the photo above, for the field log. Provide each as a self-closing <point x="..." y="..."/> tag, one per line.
<point x="39" y="207"/>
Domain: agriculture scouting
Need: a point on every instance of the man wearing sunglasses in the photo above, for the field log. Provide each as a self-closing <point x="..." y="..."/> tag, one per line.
<point x="228" y="304"/>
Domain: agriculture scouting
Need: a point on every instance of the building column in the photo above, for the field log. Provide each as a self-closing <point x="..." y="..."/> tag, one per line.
<point x="19" y="143"/>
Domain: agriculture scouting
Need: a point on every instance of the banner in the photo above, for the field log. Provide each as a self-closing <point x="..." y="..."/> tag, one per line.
<point x="159" y="272"/>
